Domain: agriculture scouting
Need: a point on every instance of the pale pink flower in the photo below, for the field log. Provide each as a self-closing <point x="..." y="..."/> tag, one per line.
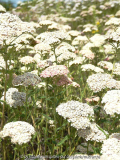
<point x="93" y="99"/>
<point x="87" y="53"/>
<point x="56" y="70"/>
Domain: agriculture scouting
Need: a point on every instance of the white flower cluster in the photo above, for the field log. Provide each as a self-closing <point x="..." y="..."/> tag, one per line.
<point x="15" y="98"/>
<point x="74" y="33"/>
<point x="42" y="64"/>
<point x="3" y="64"/>
<point x="117" y="14"/>
<point x="20" y="132"/>
<point x="77" y="61"/>
<point x="111" y="147"/>
<point x="80" y="40"/>
<point x="45" y="23"/>
<point x="113" y="21"/>
<point x="12" y="26"/>
<point x="112" y="102"/>
<point x="90" y="27"/>
<point x="88" y="67"/>
<point x="106" y="65"/>
<point x="87" y="53"/>
<point x="42" y="48"/>
<point x="26" y="79"/>
<point x="92" y="133"/>
<point x="63" y="48"/>
<point x="48" y="36"/>
<point x="113" y="36"/>
<point x="77" y="113"/>
<point x="27" y="60"/>
<point x="110" y="157"/>
<point x="100" y="81"/>
<point x="116" y="69"/>
<point x="22" y="39"/>
<point x="66" y="56"/>
<point x="95" y="41"/>
<point x="2" y="9"/>
<point x="109" y="49"/>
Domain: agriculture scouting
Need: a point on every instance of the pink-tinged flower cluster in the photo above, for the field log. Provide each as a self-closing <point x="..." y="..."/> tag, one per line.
<point x="56" y="70"/>
<point x="93" y="99"/>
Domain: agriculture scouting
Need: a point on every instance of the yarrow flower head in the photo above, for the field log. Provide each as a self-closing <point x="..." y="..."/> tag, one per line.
<point x="77" y="61"/>
<point x="90" y="67"/>
<point x="56" y="70"/>
<point x="100" y="81"/>
<point x="26" y="79"/>
<point x="20" y="132"/>
<point x="87" y="53"/>
<point x="106" y="65"/>
<point x="27" y="60"/>
<point x="15" y="98"/>
<point x="111" y="147"/>
<point x="93" y="133"/>
<point x="112" y="102"/>
<point x="77" y="113"/>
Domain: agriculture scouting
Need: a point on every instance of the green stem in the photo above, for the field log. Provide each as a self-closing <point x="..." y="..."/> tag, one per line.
<point x="5" y="87"/>
<point x="46" y="130"/>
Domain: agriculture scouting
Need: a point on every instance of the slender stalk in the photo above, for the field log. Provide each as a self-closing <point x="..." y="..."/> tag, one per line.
<point x="5" y="87"/>
<point x="46" y="130"/>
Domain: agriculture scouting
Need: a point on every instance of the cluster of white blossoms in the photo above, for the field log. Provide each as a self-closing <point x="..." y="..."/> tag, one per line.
<point x="93" y="133"/>
<point x="12" y="26"/>
<point x="2" y="9"/>
<point x="110" y="157"/>
<point x="79" y="114"/>
<point x="42" y="48"/>
<point x="26" y="79"/>
<point x="106" y="65"/>
<point x="79" y="40"/>
<point x="112" y="102"/>
<point x="20" y="132"/>
<point x="95" y="41"/>
<point x="87" y="53"/>
<point x="27" y="60"/>
<point x="74" y="33"/>
<point x="116" y="69"/>
<point x="100" y="81"/>
<point x="77" y="61"/>
<point x="48" y="36"/>
<point x="90" y="67"/>
<point x="45" y="23"/>
<point x="91" y="26"/>
<point x="43" y="64"/>
<point x="3" y="64"/>
<point x="66" y="56"/>
<point x="25" y="38"/>
<point x="63" y="48"/>
<point x="15" y="98"/>
<point x="108" y="49"/>
<point x="63" y="52"/>
<point x="113" y="36"/>
<point x="113" y="21"/>
<point x="111" y="147"/>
